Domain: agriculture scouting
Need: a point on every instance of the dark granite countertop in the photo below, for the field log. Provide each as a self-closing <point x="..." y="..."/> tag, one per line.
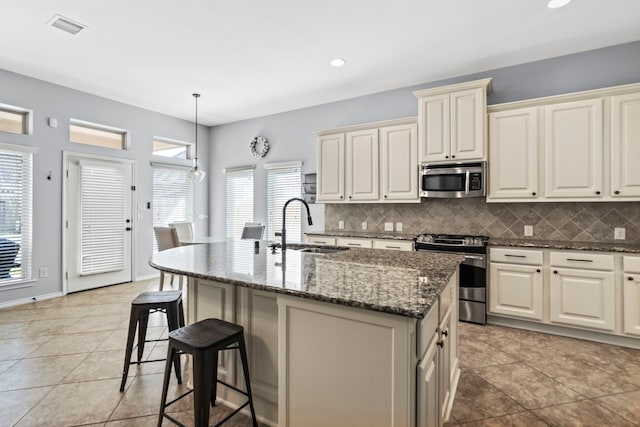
<point x="390" y="235"/>
<point x="561" y="244"/>
<point x="396" y="282"/>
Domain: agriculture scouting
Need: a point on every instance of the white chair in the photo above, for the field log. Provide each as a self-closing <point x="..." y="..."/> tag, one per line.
<point x="184" y="229"/>
<point x="167" y="238"/>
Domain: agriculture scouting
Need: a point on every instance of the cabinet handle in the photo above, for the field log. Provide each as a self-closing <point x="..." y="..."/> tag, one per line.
<point x="392" y="247"/>
<point x="453" y="157"/>
<point x="353" y="244"/>
<point x="515" y="256"/>
<point x="598" y="193"/>
<point x="533" y="194"/>
<point x="579" y="260"/>
<point x="440" y="344"/>
<point x="555" y="271"/>
<point x="630" y="278"/>
<point x="385" y="196"/>
<point x="446" y="157"/>
<point x="349" y="197"/>
<point x="445" y="332"/>
<point x="537" y="270"/>
<point x="616" y="192"/>
<point x="342" y="197"/>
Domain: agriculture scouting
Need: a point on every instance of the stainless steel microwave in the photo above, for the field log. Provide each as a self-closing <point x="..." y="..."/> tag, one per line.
<point x="453" y="180"/>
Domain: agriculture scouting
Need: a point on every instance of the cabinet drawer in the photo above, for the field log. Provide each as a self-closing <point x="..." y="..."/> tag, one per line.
<point x="515" y="256"/>
<point x="321" y="240"/>
<point x="396" y="245"/>
<point x="581" y="260"/>
<point x="354" y="242"/>
<point x="631" y="264"/>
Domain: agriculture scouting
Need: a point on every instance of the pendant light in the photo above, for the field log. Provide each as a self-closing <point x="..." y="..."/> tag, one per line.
<point x="198" y="174"/>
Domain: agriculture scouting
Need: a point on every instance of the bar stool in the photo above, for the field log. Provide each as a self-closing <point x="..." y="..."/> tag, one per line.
<point x="169" y="302"/>
<point x="203" y="340"/>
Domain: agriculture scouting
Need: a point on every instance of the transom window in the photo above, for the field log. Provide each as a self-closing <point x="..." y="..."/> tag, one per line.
<point x="171" y="148"/>
<point x="15" y="119"/>
<point x="94" y="134"/>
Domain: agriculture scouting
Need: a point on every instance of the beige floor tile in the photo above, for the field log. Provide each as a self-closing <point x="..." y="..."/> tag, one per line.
<point x="40" y="327"/>
<point x="7" y="327"/>
<point x="584" y="413"/>
<point x="476" y="354"/>
<point x="17" y="348"/>
<point x="39" y="372"/>
<point x="95" y="323"/>
<point x="627" y="405"/>
<point x="143" y="396"/>
<point x="617" y="362"/>
<point x="216" y="414"/>
<point x="148" y="421"/>
<point x="75" y="404"/>
<point x="16" y="403"/>
<point x="524" y="419"/>
<point x="527" y="386"/>
<point x="582" y="376"/>
<point x="99" y="365"/>
<point x="72" y="344"/>
<point x="476" y="399"/>
<point x="6" y="364"/>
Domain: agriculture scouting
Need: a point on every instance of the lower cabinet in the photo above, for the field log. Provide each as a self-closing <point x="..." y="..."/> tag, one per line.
<point x="354" y="242"/>
<point x="516" y="290"/>
<point x="631" y="292"/>
<point x="359" y="242"/>
<point x="428" y="391"/>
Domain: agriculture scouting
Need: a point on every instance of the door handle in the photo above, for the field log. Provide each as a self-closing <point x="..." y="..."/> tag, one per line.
<point x="128" y="228"/>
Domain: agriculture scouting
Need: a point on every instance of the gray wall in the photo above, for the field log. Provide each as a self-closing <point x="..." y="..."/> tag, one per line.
<point x="291" y="134"/>
<point x="49" y="100"/>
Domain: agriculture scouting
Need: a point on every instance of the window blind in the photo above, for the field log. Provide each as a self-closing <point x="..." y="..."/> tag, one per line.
<point x="16" y="171"/>
<point x="102" y="219"/>
<point x="238" y="201"/>
<point x="173" y="196"/>
<point x="284" y="183"/>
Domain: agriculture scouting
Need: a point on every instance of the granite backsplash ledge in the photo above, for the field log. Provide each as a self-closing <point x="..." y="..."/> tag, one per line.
<point x="573" y="221"/>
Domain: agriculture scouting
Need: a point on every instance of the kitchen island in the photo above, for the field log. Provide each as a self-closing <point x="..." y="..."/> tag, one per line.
<point x="357" y="337"/>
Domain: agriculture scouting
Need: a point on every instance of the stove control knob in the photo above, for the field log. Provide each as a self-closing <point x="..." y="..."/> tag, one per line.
<point x="477" y="241"/>
<point x="425" y="238"/>
<point x="468" y="241"/>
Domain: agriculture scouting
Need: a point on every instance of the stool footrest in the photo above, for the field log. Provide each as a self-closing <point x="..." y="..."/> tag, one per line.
<point x="231" y="414"/>
<point x="233" y="387"/>
<point x="166" y="405"/>
<point x="173" y="420"/>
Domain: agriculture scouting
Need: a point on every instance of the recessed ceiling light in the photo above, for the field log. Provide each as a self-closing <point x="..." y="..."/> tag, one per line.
<point x="65" y="24"/>
<point x="337" y="62"/>
<point x="555" y="4"/>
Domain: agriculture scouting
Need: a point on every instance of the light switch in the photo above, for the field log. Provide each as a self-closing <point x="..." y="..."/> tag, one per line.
<point x="364" y="225"/>
<point x="341" y="225"/>
<point x="528" y="230"/>
<point x="398" y="226"/>
<point x="620" y="233"/>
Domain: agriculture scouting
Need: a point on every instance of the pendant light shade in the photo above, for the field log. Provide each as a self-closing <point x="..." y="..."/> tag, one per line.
<point x="198" y="174"/>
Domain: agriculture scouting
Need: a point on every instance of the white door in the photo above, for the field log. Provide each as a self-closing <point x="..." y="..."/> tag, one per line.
<point x="362" y="165"/>
<point x="331" y="168"/>
<point x="516" y="290"/>
<point x="428" y="410"/>
<point x="625" y="145"/>
<point x="399" y="163"/>
<point x="98" y="222"/>
<point x="467" y="124"/>
<point x="631" y="303"/>
<point x="435" y="125"/>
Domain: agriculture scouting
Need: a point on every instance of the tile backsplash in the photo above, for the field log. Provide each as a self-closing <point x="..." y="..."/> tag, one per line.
<point x="580" y="222"/>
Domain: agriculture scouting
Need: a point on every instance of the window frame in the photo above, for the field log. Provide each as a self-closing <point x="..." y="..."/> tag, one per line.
<point x="229" y="172"/>
<point x="272" y="217"/>
<point x="105" y="128"/>
<point x="27" y="122"/>
<point x="174" y="160"/>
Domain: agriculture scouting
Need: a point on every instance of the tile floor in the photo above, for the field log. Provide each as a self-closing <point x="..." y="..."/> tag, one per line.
<point x="61" y="364"/>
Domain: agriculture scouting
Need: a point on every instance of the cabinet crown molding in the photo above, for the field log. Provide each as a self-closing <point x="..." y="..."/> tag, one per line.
<point x="366" y="126"/>
<point x="565" y="97"/>
<point x="474" y="84"/>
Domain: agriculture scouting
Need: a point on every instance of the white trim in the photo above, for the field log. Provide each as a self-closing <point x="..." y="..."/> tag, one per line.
<point x="147" y="277"/>
<point x="20" y="110"/>
<point x="372" y="125"/>
<point x="238" y="169"/>
<point x="177" y="165"/>
<point x="482" y="83"/>
<point x="23" y="301"/>
<point x="91" y="125"/>
<point x="21" y="148"/>
<point x="282" y="165"/>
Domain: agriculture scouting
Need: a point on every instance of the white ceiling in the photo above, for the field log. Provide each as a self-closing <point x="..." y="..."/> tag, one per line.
<point x="251" y="58"/>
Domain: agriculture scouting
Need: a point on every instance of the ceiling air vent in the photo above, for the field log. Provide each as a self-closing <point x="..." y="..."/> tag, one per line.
<point x="66" y="24"/>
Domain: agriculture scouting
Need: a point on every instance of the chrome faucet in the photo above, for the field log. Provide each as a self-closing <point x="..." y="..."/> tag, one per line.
<point x="283" y="243"/>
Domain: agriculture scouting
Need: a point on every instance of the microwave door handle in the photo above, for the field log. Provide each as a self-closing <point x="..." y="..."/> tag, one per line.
<point x="466" y="182"/>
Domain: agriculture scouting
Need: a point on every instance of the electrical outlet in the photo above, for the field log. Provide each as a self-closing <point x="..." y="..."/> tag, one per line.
<point x="341" y="225"/>
<point x="528" y="230"/>
<point x="364" y="225"/>
<point x="619" y="233"/>
<point x="398" y="226"/>
<point x="43" y="272"/>
<point x="388" y="226"/>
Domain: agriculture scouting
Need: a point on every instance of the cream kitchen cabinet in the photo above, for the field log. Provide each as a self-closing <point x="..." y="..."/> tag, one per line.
<point x="331" y="168"/>
<point x="354" y="242"/>
<point x="516" y="285"/>
<point x="452" y="122"/>
<point x="513" y="154"/>
<point x="582" y="290"/>
<point x="394" y="245"/>
<point x="373" y="163"/>
<point x="321" y="240"/>
<point x="625" y="146"/>
<point x="631" y="293"/>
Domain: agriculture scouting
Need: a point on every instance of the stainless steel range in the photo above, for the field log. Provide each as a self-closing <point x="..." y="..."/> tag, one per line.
<point x="473" y="270"/>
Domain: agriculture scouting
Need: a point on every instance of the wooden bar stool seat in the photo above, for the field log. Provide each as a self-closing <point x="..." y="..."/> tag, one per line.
<point x="169" y="302"/>
<point x="203" y="340"/>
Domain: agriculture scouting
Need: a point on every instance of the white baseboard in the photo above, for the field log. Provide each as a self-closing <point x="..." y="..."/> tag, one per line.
<point x="31" y="299"/>
<point x="146" y="277"/>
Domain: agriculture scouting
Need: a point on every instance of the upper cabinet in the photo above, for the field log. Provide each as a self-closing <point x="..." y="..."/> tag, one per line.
<point x="452" y="122"/>
<point x="373" y="163"/>
<point x="575" y="147"/>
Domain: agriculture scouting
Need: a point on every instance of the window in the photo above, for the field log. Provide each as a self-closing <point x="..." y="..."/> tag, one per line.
<point x="15" y="119"/>
<point x="284" y="181"/>
<point x="171" y="148"/>
<point x="173" y="199"/>
<point x="93" y="134"/>
<point x="239" y="200"/>
<point x="16" y="170"/>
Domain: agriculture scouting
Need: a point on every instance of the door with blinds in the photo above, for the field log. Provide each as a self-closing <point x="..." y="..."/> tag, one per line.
<point x="98" y="225"/>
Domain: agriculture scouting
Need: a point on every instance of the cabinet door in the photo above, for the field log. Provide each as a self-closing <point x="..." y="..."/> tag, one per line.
<point x="399" y="163"/>
<point x="468" y="124"/>
<point x="516" y="290"/>
<point x="428" y="410"/>
<point x="330" y="168"/>
<point x="321" y="240"/>
<point x="444" y="374"/>
<point x="583" y="298"/>
<point x="354" y="242"/>
<point x="632" y="304"/>
<point x="573" y="145"/>
<point x="513" y="154"/>
<point x="394" y="245"/>
<point x="435" y="134"/>
<point x="625" y="145"/>
<point x="362" y="165"/>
